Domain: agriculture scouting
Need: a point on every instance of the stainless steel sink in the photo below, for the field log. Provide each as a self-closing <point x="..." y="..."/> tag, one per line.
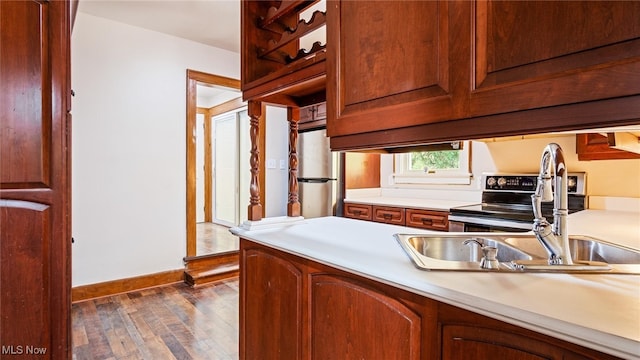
<point x="453" y="248"/>
<point x="583" y="248"/>
<point x="517" y="252"/>
<point x="589" y="249"/>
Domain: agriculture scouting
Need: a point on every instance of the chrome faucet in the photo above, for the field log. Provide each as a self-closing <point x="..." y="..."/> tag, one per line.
<point x="553" y="237"/>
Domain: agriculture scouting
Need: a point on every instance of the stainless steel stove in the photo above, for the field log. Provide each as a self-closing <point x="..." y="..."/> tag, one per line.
<point x="506" y="204"/>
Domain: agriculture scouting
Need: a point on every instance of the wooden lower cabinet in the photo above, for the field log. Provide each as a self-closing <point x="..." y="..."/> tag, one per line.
<point x="467" y="335"/>
<point x="388" y="215"/>
<point x="357" y="211"/>
<point x="427" y="219"/>
<point x="350" y="319"/>
<point x="271" y="296"/>
<point x="417" y="218"/>
<point x="293" y="308"/>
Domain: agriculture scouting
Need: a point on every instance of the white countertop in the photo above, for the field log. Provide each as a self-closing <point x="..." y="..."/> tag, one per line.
<point x="620" y="227"/>
<point x="414" y="203"/>
<point x="597" y="311"/>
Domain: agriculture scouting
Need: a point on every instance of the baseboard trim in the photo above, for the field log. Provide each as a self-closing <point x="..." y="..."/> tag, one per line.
<point x="108" y="288"/>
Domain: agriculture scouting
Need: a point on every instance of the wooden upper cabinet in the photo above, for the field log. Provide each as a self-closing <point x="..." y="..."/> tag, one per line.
<point x="313" y="117"/>
<point x="534" y="54"/>
<point x="595" y="146"/>
<point x="275" y="65"/>
<point x="393" y="64"/>
<point x="412" y="72"/>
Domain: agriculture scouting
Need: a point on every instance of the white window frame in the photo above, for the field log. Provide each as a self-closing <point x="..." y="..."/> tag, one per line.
<point x="461" y="176"/>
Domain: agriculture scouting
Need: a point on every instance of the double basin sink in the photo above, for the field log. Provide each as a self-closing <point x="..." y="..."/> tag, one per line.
<point x="516" y="252"/>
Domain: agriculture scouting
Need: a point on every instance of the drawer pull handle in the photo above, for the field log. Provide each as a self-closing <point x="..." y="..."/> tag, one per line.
<point x="357" y="212"/>
<point x="427" y="221"/>
<point x="387" y="216"/>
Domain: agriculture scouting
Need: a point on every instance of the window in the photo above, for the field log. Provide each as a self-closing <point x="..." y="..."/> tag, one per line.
<point x="436" y="164"/>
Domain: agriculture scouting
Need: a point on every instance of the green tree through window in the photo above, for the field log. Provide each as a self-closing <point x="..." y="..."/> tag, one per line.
<point x="435" y="160"/>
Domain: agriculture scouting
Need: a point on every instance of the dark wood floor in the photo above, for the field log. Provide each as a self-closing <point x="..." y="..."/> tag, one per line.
<point x="213" y="238"/>
<point x="170" y="322"/>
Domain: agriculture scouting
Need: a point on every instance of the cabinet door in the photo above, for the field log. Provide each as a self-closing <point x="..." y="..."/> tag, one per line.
<point x="34" y="179"/>
<point x="535" y="54"/>
<point x="388" y="215"/>
<point x="345" y="314"/>
<point x="270" y="306"/>
<point x="426" y="219"/>
<point x="357" y="211"/>
<point x="596" y="147"/>
<point x="394" y="64"/>
<point x="466" y="335"/>
<point x="465" y="341"/>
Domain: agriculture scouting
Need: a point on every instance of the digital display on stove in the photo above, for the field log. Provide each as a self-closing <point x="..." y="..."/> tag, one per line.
<point x="511" y="183"/>
<point x="521" y="183"/>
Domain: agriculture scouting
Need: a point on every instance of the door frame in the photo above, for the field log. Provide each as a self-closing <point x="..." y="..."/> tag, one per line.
<point x="193" y="78"/>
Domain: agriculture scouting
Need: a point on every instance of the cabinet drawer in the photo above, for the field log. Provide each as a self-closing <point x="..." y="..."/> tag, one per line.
<point x="321" y="111"/>
<point x="357" y="211"/>
<point x="313" y="117"/>
<point x="425" y="219"/>
<point x="389" y="215"/>
<point x="306" y="114"/>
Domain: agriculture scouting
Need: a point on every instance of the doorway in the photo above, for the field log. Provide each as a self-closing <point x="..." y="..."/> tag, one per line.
<point x="214" y="125"/>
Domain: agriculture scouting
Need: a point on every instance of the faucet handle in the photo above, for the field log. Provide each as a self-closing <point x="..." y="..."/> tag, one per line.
<point x="489" y="261"/>
<point x="489" y="254"/>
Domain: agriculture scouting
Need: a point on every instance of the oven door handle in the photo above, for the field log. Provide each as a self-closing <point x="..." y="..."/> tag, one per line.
<point x="491" y="222"/>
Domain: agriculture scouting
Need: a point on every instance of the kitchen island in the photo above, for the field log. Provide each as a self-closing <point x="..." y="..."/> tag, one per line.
<point x="598" y="312"/>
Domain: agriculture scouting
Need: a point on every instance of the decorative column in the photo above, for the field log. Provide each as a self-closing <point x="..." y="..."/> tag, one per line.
<point x="293" y="205"/>
<point x="255" y="204"/>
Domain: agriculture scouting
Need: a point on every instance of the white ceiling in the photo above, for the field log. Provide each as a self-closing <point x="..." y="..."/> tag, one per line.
<point x="211" y="22"/>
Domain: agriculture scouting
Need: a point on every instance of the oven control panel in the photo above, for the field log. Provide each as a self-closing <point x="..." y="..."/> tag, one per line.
<point x="528" y="182"/>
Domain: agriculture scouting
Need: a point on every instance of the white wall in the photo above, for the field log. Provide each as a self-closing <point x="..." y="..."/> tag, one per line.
<point x="129" y="146"/>
<point x="277" y="178"/>
<point x="604" y="177"/>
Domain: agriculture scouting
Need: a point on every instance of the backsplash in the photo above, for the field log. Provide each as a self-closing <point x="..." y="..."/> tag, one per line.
<point x="617" y="178"/>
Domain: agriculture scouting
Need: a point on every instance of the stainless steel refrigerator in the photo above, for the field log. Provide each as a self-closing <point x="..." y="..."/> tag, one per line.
<point x="319" y="184"/>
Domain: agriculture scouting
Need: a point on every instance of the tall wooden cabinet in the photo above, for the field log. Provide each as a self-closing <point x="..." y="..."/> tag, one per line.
<point x="35" y="236"/>
<point x="416" y="72"/>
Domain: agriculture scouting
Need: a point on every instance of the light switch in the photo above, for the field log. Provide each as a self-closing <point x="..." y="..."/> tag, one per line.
<point x="271" y="163"/>
<point x="283" y="164"/>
